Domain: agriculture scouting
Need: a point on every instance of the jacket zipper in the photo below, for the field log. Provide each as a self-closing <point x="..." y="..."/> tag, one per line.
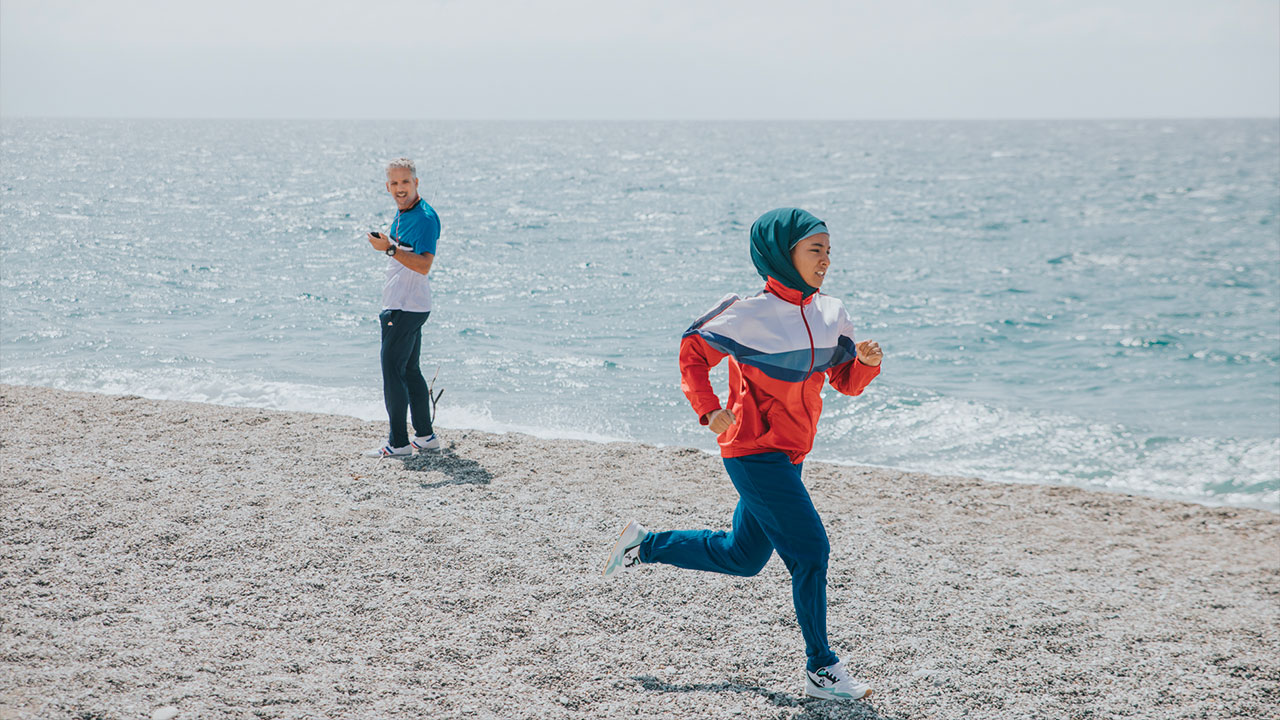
<point x="804" y="402"/>
<point x="811" y="350"/>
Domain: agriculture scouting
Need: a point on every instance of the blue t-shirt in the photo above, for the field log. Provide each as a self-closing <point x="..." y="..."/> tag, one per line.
<point x="419" y="228"/>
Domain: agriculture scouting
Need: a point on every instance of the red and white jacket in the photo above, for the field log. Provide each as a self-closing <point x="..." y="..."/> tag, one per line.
<point x="779" y="346"/>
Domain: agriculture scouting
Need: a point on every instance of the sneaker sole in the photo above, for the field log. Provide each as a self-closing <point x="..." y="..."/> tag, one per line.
<point x="384" y="457"/>
<point x="823" y="695"/>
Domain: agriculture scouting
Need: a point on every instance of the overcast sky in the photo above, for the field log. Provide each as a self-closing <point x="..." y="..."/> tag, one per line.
<point x="651" y="59"/>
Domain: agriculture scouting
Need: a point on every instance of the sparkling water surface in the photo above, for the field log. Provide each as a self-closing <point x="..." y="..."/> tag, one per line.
<point x="1080" y="303"/>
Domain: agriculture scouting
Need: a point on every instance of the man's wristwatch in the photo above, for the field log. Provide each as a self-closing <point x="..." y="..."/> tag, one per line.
<point x="391" y="251"/>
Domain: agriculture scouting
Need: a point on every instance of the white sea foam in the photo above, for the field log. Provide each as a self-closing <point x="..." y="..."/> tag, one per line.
<point x="946" y="435"/>
<point x="934" y="434"/>
<point x="222" y="388"/>
<point x="209" y="386"/>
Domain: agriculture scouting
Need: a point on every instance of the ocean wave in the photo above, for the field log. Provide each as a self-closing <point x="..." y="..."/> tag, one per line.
<point x="224" y="388"/>
<point x="945" y="435"/>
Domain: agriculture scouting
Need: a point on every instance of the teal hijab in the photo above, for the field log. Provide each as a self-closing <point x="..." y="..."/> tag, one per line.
<point x="773" y="236"/>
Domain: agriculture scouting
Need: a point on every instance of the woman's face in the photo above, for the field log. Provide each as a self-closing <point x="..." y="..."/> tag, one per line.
<point x="811" y="257"/>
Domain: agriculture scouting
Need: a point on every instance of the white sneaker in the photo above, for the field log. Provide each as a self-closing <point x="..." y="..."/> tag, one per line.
<point x="428" y="442"/>
<point x="626" y="551"/>
<point x="834" y="683"/>
<point x="386" y="451"/>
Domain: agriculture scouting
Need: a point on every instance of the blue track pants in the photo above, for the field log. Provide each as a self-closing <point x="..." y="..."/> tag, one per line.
<point x="774" y="513"/>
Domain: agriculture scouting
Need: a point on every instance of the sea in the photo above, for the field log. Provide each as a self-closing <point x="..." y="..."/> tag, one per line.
<point x="1083" y="303"/>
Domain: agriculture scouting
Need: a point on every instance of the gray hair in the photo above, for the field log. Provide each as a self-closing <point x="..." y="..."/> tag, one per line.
<point x="403" y="162"/>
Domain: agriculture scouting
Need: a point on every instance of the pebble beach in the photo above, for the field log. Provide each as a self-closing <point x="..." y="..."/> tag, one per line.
<point x="183" y="560"/>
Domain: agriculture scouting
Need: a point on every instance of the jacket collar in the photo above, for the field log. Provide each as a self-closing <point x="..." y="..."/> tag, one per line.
<point x="795" y="297"/>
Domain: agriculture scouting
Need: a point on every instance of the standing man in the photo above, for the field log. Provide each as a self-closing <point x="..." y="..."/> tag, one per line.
<point x="406" y="302"/>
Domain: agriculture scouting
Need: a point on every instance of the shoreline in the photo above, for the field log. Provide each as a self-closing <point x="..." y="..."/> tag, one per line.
<point x="595" y="438"/>
<point x="229" y="561"/>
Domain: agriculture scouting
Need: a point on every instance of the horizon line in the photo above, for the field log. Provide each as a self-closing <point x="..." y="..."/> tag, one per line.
<point x="240" y="118"/>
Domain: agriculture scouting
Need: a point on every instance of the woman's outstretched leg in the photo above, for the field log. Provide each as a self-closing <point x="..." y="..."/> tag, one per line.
<point x="743" y="550"/>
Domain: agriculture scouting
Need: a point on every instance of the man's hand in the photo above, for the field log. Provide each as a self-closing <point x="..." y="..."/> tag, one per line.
<point x="721" y="420"/>
<point x="869" y="353"/>
<point x="379" y="242"/>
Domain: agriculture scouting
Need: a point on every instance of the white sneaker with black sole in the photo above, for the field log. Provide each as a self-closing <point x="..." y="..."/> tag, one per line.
<point x="833" y="682"/>
<point x="626" y="551"/>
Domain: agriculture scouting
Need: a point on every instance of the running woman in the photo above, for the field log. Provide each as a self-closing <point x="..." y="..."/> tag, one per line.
<point x="780" y="343"/>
